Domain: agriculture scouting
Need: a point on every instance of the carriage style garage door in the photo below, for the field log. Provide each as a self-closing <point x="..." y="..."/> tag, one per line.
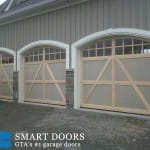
<point x="115" y="75"/>
<point x="45" y="75"/>
<point x="6" y="76"/>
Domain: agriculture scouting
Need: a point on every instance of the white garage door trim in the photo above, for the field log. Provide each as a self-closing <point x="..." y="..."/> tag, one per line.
<point x="102" y="34"/>
<point x="20" y="60"/>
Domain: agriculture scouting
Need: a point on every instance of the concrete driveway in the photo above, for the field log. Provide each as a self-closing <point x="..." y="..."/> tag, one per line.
<point x="102" y="131"/>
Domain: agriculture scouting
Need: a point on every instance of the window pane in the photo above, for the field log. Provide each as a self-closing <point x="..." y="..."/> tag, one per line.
<point x="99" y="44"/>
<point x="119" y="42"/>
<point x="136" y="41"/>
<point x="40" y="57"/>
<point x="52" y="50"/>
<point x="4" y="61"/>
<point x="40" y="51"/>
<point x="85" y="53"/>
<point x="52" y="57"/>
<point x="47" y="50"/>
<point x="63" y="51"/>
<point x="146" y="48"/>
<point x="57" y="55"/>
<point x="57" y="50"/>
<point x="128" y="50"/>
<point x="26" y="59"/>
<point x="30" y="58"/>
<point x="100" y="52"/>
<point x="47" y="57"/>
<point x="11" y="60"/>
<point x="36" y="58"/>
<point x="108" y="52"/>
<point x="31" y="53"/>
<point x="137" y="49"/>
<point x="119" y="51"/>
<point x="93" y="45"/>
<point x="127" y="41"/>
<point x="108" y="43"/>
<point x="36" y="52"/>
<point x="92" y="53"/>
<point x="63" y="55"/>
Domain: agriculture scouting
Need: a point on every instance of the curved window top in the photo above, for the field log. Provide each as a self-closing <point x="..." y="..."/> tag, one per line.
<point x="6" y="58"/>
<point x="45" y="54"/>
<point x="116" y="46"/>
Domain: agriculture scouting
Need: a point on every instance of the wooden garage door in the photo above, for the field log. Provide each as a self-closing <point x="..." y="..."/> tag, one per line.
<point x="6" y="76"/>
<point x="45" y="75"/>
<point x="115" y="75"/>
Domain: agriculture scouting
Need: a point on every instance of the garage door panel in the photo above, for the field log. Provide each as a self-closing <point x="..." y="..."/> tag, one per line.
<point x="146" y="92"/>
<point x="95" y="68"/>
<point x="138" y="68"/>
<point x="27" y="90"/>
<point x="63" y="88"/>
<point x="35" y="91"/>
<point x="39" y="73"/>
<point x="107" y="75"/>
<point x="52" y="92"/>
<point x="100" y="96"/>
<point x="85" y="91"/>
<point x="5" y="89"/>
<point x="120" y="75"/>
<point x="127" y="97"/>
<point x="2" y="75"/>
<point x="30" y="71"/>
<point x="9" y="71"/>
<point x="47" y="75"/>
<point x="58" y="70"/>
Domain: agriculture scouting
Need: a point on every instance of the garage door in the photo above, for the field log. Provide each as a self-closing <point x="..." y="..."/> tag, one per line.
<point x="6" y="76"/>
<point x="115" y="75"/>
<point x="45" y="75"/>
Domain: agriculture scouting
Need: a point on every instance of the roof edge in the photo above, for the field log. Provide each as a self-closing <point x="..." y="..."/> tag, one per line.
<point x="33" y="9"/>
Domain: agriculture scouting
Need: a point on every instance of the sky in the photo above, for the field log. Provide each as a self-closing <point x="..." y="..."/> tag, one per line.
<point x="1" y="1"/>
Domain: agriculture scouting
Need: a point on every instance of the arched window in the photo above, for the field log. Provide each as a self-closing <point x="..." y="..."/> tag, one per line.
<point x="6" y="58"/>
<point x="116" y="46"/>
<point x="45" y="54"/>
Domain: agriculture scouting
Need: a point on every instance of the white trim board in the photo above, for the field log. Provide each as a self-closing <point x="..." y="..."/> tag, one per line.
<point x="20" y="60"/>
<point x="11" y="52"/>
<point x="75" y="52"/>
